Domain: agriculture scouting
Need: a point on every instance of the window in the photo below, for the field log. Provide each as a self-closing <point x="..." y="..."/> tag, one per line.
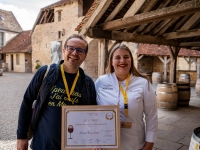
<point x="17" y="59"/>
<point x="59" y="34"/>
<point x="1" y="39"/>
<point x="84" y="6"/>
<point x="59" y="16"/>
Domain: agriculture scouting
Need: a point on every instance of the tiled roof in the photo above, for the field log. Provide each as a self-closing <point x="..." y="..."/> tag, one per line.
<point x="59" y="3"/>
<point x="155" y="50"/>
<point x="88" y="14"/>
<point x="19" y="44"/>
<point x="8" y="21"/>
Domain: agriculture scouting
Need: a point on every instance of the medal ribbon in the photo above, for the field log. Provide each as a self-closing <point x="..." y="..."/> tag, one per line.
<point x="125" y="95"/>
<point x="65" y="82"/>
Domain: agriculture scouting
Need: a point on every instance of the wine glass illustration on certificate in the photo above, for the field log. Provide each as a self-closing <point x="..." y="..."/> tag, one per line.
<point x="70" y="130"/>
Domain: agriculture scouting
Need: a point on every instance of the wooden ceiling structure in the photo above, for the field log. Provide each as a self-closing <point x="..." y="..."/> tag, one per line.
<point x="169" y="22"/>
<point x="175" y="23"/>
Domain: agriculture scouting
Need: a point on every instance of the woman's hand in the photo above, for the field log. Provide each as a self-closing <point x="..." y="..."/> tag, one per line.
<point x="98" y="149"/>
<point x="148" y="146"/>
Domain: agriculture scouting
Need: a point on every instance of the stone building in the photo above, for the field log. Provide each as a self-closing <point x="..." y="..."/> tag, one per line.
<point x="53" y="25"/>
<point x="18" y="53"/>
<point x="9" y="28"/>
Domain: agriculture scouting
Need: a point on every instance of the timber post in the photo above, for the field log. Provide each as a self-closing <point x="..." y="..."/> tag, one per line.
<point x="173" y="56"/>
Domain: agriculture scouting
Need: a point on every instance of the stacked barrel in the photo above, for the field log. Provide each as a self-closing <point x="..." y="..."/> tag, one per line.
<point x="156" y="77"/>
<point x="184" y="91"/>
<point x="169" y="96"/>
<point x="197" y="87"/>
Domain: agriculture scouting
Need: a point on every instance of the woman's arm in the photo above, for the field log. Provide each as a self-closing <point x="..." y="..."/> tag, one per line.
<point x="148" y="146"/>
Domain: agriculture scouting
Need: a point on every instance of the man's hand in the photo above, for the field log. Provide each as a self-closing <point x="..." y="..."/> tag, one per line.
<point x="22" y="144"/>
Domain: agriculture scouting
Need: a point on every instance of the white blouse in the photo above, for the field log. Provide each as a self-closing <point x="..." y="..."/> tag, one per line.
<point x="142" y="108"/>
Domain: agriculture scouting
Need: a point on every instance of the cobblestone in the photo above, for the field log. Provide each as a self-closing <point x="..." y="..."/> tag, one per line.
<point x="12" y="87"/>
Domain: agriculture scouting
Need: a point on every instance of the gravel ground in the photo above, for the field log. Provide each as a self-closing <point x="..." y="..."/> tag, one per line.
<point x="12" y="88"/>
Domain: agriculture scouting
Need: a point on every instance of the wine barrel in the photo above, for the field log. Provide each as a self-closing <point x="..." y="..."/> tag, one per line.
<point x="197" y="87"/>
<point x="166" y="96"/>
<point x="184" y="78"/>
<point x="183" y="93"/>
<point x="174" y="87"/>
<point x="195" y="140"/>
<point x="156" y="77"/>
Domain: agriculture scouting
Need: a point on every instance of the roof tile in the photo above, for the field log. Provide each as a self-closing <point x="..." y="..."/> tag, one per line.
<point x="161" y="50"/>
<point x="59" y="3"/>
<point x="9" y="22"/>
<point x="19" y="44"/>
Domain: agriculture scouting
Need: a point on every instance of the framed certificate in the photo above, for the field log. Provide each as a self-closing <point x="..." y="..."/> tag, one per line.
<point x="88" y="127"/>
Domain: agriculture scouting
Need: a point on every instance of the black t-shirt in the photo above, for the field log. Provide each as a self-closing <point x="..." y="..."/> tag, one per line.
<point x="48" y="131"/>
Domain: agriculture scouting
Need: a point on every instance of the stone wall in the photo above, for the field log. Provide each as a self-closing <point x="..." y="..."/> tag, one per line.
<point x="145" y="64"/>
<point x="91" y="61"/>
<point x="8" y="36"/>
<point x="11" y="62"/>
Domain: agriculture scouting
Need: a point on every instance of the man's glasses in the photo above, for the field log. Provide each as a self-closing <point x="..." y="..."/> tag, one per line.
<point x="72" y="49"/>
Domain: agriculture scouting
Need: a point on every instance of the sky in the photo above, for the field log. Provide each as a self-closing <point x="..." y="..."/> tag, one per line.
<point x="25" y="11"/>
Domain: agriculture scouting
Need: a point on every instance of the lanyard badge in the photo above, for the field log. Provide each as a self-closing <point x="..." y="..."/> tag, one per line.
<point x="65" y="82"/>
<point x="125" y="95"/>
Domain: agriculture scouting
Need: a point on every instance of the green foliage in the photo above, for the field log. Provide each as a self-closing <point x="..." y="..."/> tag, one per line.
<point x="37" y="66"/>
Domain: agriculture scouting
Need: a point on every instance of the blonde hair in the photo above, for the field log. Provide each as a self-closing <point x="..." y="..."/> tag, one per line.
<point x="133" y="70"/>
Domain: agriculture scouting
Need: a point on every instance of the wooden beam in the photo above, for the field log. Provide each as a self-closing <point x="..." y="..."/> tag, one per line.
<point x="42" y="18"/>
<point x="50" y="16"/>
<point x="140" y="57"/>
<point x="45" y="16"/>
<point x="147" y="7"/>
<point x="116" y="10"/>
<point x="161" y="26"/>
<point x="150" y="5"/>
<point x="173" y="51"/>
<point x="163" y="30"/>
<point x="129" y="37"/>
<point x="182" y="34"/>
<point x="157" y="15"/>
<point x="195" y="48"/>
<point x="190" y="44"/>
<point x="151" y="26"/>
<point x="137" y="4"/>
<point x="99" y="11"/>
<point x="191" y="21"/>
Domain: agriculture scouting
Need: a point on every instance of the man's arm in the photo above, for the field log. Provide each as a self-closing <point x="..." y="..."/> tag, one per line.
<point x="22" y="144"/>
<point x="30" y="95"/>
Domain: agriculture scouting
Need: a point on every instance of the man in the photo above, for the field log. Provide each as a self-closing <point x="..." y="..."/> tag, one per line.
<point x="65" y="84"/>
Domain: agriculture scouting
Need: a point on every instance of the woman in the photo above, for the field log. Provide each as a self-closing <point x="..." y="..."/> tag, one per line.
<point x="123" y="85"/>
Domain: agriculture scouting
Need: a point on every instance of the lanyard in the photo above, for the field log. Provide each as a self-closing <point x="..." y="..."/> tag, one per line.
<point x="65" y="82"/>
<point x="125" y="95"/>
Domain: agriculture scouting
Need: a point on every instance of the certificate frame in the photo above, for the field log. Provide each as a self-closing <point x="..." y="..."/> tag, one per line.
<point x="92" y="126"/>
